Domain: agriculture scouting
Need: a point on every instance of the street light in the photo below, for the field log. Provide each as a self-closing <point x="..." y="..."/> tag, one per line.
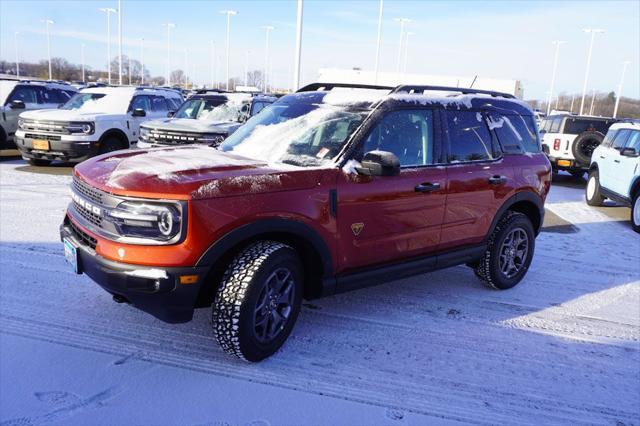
<point x="624" y="70"/>
<point x="557" y="43"/>
<point x="229" y="13"/>
<point x="108" y="11"/>
<point x="402" y="22"/>
<point x="142" y="61"/>
<point x="593" y="98"/>
<point x="406" y="50"/>
<point x="378" y="41"/>
<point x="120" y="43"/>
<point x="186" y="68"/>
<point x="593" y="32"/>
<point x="169" y="25"/>
<point x="268" y="30"/>
<point x="82" y="56"/>
<point x="48" y="22"/>
<point x="298" y="53"/>
<point x="15" y="42"/>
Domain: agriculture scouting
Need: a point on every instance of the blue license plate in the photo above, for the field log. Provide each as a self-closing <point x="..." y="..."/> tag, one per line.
<point x="71" y="255"/>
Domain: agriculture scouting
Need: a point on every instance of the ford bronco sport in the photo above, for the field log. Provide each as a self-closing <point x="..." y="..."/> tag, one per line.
<point x="330" y="189"/>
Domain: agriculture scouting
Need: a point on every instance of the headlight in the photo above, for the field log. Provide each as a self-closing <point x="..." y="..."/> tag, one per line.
<point x="20" y="123"/>
<point x="85" y="128"/>
<point x="161" y="221"/>
<point x="144" y="133"/>
<point x="212" y="139"/>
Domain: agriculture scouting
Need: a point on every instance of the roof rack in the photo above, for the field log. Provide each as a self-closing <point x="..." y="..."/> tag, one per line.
<point x="313" y="87"/>
<point x="409" y="88"/>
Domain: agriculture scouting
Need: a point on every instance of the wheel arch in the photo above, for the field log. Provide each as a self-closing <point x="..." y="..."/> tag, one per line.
<point x="635" y="188"/>
<point x="527" y="203"/>
<point x="314" y="253"/>
<point x="117" y="133"/>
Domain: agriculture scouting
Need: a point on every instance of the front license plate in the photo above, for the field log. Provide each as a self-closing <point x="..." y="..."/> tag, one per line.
<point x="71" y="255"/>
<point x="40" y="144"/>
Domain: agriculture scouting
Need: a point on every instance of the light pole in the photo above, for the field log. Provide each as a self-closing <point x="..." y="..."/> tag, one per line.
<point x="142" y="61"/>
<point x="108" y="11"/>
<point x="406" y="50"/>
<point x="120" y="42"/>
<point x="557" y="43"/>
<point x="229" y="13"/>
<point x="268" y="30"/>
<point x="573" y="97"/>
<point x="402" y="21"/>
<point x="82" y="56"/>
<point x="48" y="22"/>
<point x="129" y="68"/>
<point x="169" y="25"/>
<point x="593" y="32"/>
<point x="593" y="98"/>
<point x="213" y="56"/>
<point x="298" y="53"/>
<point x="186" y="68"/>
<point x="624" y="70"/>
<point x="246" y="68"/>
<point x="378" y="41"/>
<point x="15" y="42"/>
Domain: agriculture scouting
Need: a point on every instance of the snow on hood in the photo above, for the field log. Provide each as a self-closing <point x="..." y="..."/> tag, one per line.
<point x="191" y="125"/>
<point x="59" y="114"/>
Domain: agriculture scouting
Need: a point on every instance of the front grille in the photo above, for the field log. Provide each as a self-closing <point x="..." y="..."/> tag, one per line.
<point x="45" y="137"/>
<point x="58" y="127"/>
<point x="87" y="191"/>
<point x="82" y="236"/>
<point x="88" y="215"/>
<point x="181" y="138"/>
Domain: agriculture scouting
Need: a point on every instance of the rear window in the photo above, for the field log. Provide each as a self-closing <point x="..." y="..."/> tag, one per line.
<point x="575" y="126"/>
<point x="555" y="125"/>
<point x="516" y="133"/>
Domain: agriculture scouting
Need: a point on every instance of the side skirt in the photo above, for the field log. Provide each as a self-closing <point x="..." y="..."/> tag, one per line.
<point x="380" y="274"/>
<point x="615" y="197"/>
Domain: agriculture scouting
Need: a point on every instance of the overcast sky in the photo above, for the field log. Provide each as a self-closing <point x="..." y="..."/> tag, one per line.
<point x="491" y="39"/>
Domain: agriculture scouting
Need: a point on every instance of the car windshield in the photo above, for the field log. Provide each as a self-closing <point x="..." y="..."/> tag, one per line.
<point x="92" y="102"/>
<point x="209" y="109"/>
<point x="80" y="100"/>
<point x="301" y="134"/>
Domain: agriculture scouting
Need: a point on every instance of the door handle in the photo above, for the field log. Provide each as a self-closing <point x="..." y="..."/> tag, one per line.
<point x="602" y="156"/>
<point x="427" y="187"/>
<point x="497" y="180"/>
<point x="616" y="161"/>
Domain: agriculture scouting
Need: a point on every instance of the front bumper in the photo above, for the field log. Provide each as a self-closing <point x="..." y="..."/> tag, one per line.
<point x="65" y="149"/>
<point x="161" y="295"/>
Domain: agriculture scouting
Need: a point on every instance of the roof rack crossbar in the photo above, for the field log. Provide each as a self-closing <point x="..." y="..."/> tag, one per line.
<point x="313" y="87"/>
<point x="408" y="88"/>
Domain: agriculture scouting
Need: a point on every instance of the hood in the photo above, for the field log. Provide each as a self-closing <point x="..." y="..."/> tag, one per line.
<point x="61" y="115"/>
<point x="192" y="125"/>
<point x="189" y="172"/>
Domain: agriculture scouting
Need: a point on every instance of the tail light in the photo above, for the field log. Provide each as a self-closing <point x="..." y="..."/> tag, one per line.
<point x="556" y="144"/>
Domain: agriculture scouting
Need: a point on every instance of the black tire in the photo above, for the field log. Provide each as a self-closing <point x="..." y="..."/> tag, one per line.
<point x="577" y="174"/>
<point x="592" y="191"/>
<point x="109" y="145"/>
<point x="245" y="286"/>
<point x="635" y="212"/>
<point x="583" y="146"/>
<point x="38" y="162"/>
<point x="502" y="246"/>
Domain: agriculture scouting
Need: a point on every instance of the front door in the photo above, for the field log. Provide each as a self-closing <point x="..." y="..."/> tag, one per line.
<point x="626" y="166"/>
<point x="387" y="218"/>
<point x="610" y="161"/>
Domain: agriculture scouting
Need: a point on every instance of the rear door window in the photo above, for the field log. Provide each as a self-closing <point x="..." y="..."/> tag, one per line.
<point x="469" y="137"/>
<point x="516" y="133"/>
<point x="159" y="104"/>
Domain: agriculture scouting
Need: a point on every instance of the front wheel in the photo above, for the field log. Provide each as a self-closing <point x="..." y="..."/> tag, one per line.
<point x="593" y="192"/>
<point x="509" y="252"/>
<point x="258" y="301"/>
<point x="635" y="212"/>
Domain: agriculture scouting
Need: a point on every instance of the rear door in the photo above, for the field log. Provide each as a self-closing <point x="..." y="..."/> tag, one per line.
<point x="387" y="218"/>
<point x="480" y="179"/>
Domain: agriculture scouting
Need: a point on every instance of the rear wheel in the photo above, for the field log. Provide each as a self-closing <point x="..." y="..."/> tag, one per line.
<point x="592" y="192"/>
<point x="509" y="252"/>
<point x="38" y="162"/>
<point x="258" y="301"/>
<point x="635" y="212"/>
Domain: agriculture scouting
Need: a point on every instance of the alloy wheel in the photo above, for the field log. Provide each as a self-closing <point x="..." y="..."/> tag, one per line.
<point x="513" y="252"/>
<point x="274" y="306"/>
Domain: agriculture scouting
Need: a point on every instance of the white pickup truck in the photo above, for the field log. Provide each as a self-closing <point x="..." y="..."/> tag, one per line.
<point x="94" y="121"/>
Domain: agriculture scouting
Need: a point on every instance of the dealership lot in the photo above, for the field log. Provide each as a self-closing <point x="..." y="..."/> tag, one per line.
<point x="563" y="346"/>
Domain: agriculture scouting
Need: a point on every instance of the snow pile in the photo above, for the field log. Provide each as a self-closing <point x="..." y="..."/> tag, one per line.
<point x="418" y="99"/>
<point x="238" y="185"/>
<point x="114" y="101"/>
<point x="347" y="96"/>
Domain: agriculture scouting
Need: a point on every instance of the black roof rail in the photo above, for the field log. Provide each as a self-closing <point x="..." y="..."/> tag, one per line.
<point x="330" y="86"/>
<point x="410" y="88"/>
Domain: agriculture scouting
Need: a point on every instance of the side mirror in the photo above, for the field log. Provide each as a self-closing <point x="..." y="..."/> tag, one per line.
<point x="629" y="152"/>
<point x="17" y="104"/>
<point x="139" y="112"/>
<point x="379" y="163"/>
<point x="171" y="114"/>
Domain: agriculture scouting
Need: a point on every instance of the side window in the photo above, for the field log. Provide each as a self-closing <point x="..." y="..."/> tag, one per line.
<point x="142" y="102"/>
<point x="56" y="96"/>
<point x="620" y="139"/>
<point x="634" y="140"/>
<point x="26" y="94"/>
<point x="546" y="125"/>
<point x="469" y="137"/>
<point x="608" y="138"/>
<point x="516" y="133"/>
<point x="258" y="106"/>
<point x="174" y="104"/>
<point x="406" y="133"/>
<point x="159" y="104"/>
<point x="555" y="125"/>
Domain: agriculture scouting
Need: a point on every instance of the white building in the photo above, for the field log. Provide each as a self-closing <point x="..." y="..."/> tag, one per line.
<point x="335" y="75"/>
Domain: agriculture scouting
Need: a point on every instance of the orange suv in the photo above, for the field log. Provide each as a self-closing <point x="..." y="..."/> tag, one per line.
<point x="329" y="189"/>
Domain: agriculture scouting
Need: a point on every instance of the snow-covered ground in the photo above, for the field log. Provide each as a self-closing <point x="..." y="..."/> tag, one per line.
<point x="562" y="347"/>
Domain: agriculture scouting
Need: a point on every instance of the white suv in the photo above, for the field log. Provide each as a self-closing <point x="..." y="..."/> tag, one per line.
<point x="569" y="140"/>
<point x="615" y="170"/>
<point x="94" y="121"/>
